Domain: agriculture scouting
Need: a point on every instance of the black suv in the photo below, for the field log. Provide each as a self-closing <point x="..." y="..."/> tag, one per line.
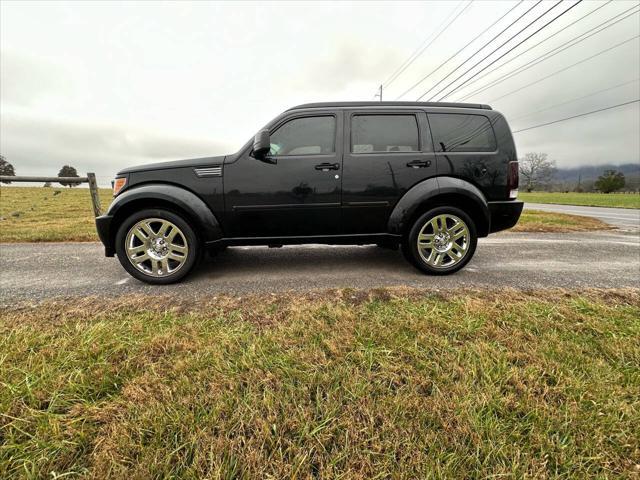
<point x="430" y="177"/>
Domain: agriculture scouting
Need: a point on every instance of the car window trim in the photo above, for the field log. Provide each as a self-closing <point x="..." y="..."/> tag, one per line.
<point x="286" y="120"/>
<point x="466" y="152"/>
<point x="414" y="113"/>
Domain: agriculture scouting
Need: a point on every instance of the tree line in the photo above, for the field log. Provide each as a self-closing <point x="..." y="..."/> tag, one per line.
<point x="537" y="172"/>
<point x="8" y="170"/>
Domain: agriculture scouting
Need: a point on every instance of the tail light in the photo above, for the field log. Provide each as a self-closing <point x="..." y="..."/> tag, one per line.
<point x="513" y="178"/>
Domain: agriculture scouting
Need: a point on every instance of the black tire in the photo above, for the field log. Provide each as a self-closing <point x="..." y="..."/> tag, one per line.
<point x="188" y="236"/>
<point x="410" y="243"/>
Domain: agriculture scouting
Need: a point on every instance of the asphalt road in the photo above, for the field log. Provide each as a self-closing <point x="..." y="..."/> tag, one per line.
<point x="518" y="260"/>
<point x="623" y="218"/>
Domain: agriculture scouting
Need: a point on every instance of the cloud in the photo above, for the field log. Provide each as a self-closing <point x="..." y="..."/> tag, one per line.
<point x="606" y="138"/>
<point x="344" y="63"/>
<point x="40" y="146"/>
<point x="152" y="84"/>
<point x="26" y="80"/>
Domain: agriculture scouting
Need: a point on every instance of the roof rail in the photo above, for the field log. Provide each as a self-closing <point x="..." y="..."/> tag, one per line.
<point x="391" y="104"/>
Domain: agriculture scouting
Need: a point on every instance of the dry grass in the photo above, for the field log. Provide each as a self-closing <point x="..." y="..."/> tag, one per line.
<point x="36" y="214"/>
<point x="550" y="222"/>
<point x="383" y="384"/>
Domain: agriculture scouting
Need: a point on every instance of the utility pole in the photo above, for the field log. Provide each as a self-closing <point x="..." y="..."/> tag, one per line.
<point x="379" y="94"/>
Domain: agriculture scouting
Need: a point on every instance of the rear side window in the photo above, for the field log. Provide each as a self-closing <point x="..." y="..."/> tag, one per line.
<point x="305" y="136"/>
<point x="454" y="132"/>
<point x="384" y="133"/>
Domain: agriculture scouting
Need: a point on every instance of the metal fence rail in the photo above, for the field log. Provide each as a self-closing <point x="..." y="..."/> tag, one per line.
<point x="90" y="179"/>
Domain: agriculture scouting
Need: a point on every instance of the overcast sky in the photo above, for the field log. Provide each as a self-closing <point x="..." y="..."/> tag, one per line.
<point x="102" y="86"/>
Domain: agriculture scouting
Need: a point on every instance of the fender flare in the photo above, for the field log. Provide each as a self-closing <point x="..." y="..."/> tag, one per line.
<point x="431" y="188"/>
<point x="200" y="215"/>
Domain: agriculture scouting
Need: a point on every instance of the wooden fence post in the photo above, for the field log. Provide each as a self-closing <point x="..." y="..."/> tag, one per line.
<point x="95" y="196"/>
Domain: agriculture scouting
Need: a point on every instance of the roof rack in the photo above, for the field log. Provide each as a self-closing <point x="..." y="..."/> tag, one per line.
<point x="391" y="104"/>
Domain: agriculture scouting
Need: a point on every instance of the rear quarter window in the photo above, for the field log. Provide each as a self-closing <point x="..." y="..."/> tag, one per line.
<point x="455" y="132"/>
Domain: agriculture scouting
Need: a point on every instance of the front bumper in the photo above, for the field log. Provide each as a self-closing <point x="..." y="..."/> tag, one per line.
<point x="505" y="214"/>
<point x="103" y="225"/>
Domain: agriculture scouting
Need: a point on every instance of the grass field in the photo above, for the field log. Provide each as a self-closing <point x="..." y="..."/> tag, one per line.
<point x="622" y="200"/>
<point x="36" y="214"/>
<point x="57" y="215"/>
<point x="391" y="384"/>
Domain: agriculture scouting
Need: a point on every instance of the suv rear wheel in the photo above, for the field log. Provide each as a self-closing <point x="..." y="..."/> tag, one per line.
<point x="157" y="246"/>
<point x="441" y="241"/>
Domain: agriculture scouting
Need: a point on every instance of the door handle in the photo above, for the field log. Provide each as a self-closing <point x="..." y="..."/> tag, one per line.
<point x="325" y="167"/>
<point x="419" y="163"/>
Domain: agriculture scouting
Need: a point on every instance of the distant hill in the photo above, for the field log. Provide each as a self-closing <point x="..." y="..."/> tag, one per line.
<point x="566" y="179"/>
<point x="591" y="173"/>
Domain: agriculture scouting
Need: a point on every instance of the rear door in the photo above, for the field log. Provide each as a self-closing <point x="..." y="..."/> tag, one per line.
<point x="386" y="152"/>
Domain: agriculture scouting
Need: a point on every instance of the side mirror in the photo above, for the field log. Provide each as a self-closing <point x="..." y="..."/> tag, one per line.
<point x="261" y="144"/>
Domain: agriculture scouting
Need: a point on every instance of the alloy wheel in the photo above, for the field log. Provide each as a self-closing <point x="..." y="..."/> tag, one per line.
<point x="156" y="247"/>
<point x="443" y="241"/>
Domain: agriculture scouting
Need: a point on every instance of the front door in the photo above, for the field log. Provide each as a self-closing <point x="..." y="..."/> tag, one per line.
<point x="296" y="190"/>
<point x="386" y="153"/>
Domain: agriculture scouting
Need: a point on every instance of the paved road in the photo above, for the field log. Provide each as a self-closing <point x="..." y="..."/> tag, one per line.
<point x="624" y="218"/>
<point x="519" y="260"/>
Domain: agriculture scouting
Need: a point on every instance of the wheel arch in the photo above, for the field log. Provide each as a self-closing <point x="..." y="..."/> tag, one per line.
<point x="168" y="197"/>
<point x="437" y="192"/>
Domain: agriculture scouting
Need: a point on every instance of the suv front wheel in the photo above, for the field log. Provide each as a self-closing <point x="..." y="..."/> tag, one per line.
<point x="157" y="246"/>
<point x="441" y="241"/>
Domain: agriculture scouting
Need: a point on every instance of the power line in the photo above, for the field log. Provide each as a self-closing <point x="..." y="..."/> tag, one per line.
<point x="542" y="41"/>
<point x="481" y="48"/>
<point x="576" y="116"/>
<point x="575" y="99"/>
<point x="508" y="51"/>
<point x="393" y="75"/>
<point x="601" y="52"/>
<point x="487" y="56"/>
<point x="455" y="54"/>
<point x="547" y="55"/>
<point x="420" y="50"/>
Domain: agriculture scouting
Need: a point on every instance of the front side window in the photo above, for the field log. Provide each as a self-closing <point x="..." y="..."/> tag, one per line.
<point x="454" y="132"/>
<point x="384" y="134"/>
<point x="305" y="136"/>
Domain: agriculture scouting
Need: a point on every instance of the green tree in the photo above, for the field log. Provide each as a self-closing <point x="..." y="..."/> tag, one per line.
<point x="68" y="171"/>
<point x="610" y="181"/>
<point x="6" y="169"/>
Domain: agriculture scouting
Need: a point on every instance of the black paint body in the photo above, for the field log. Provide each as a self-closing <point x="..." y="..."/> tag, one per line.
<point x="360" y="198"/>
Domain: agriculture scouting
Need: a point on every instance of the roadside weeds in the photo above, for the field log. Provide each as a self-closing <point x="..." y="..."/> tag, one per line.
<point x="396" y="382"/>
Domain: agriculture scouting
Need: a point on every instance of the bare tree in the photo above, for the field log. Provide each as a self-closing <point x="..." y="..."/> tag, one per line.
<point x="536" y="170"/>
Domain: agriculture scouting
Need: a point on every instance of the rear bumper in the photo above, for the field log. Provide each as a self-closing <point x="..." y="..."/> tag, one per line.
<point x="504" y="215"/>
<point x="103" y="225"/>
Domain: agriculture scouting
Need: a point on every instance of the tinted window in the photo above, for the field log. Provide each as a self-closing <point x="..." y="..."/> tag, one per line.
<point x="462" y="133"/>
<point x="384" y="133"/>
<point x="305" y="136"/>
